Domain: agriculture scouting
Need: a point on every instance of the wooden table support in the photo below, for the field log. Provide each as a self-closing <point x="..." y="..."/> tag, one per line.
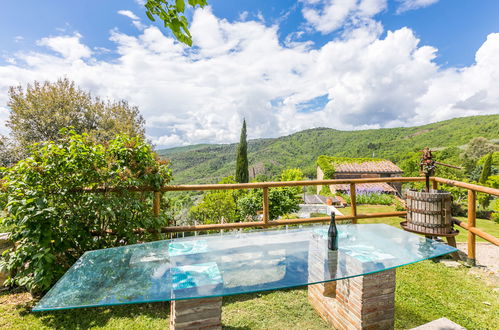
<point x="205" y="313"/>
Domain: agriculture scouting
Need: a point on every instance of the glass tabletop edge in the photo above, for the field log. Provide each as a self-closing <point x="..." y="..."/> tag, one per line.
<point x="35" y="309"/>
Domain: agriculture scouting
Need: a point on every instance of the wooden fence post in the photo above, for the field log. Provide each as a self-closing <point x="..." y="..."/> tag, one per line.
<point x="156" y="204"/>
<point x="265" y="205"/>
<point x="471" y="224"/>
<point x="156" y="209"/>
<point x="353" y="202"/>
<point x="434" y="185"/>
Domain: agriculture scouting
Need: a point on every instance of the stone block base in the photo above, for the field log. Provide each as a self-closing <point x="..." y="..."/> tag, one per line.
<point x="203" y="313"/>
<point x="362" y="302"/>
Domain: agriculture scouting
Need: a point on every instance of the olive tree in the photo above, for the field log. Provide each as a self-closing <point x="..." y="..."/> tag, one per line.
<point x="40" y="111"/>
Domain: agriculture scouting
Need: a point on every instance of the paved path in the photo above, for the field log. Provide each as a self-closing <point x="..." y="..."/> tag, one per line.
<point x="487" y="255"/>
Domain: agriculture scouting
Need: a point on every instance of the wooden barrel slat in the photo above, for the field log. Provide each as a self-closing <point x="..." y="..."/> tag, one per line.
<point x="429" y="212"/>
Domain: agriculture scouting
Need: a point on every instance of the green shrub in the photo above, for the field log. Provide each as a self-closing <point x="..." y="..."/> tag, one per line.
<point x="371" y="198"/>
<point x="495" y="215"/>
<point x="282" y="201"/>
<point x="53" y="223"/>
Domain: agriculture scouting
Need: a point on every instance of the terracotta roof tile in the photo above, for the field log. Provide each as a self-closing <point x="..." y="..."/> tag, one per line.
<point x="384" y="166"/>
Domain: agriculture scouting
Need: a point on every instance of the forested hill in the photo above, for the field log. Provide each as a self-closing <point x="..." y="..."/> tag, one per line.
<point x="208" y="163"/>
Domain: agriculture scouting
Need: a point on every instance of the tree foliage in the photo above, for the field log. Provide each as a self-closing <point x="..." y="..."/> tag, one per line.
<point x="53" y="223"/>
<point x="173" y="16"/>
<point x="43" y="109"/>
<point x="217" y="205"/>
<point x="242" y="205"/>
<point x="487" y="169"/>
<point x="293" y="174"/>
<point x="242" y="172"/>
<point x="281" y="201"/>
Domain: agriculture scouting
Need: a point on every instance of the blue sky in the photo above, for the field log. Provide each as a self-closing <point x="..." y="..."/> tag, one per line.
<point x="365" y="63"/>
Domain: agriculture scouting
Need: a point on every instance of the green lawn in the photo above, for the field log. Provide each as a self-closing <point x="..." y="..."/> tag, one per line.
<point x="425" y="291"/>
<point x="487" y="226"/>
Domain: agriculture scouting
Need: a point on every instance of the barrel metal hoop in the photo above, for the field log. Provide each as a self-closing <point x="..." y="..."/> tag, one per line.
<point x="426" y="199"/>
<point x="430" y="225"/>
<point x="420" y="211"/>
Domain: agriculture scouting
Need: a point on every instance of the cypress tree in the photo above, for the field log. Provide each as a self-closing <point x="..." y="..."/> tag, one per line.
<point x="242" y="173"/>
<point x="487" y="168"/>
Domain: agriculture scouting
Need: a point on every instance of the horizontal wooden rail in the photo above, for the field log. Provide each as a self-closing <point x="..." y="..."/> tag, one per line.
<point x="266" y="222"/>
<point x="478" y="232"/>
<point x="253" y="185"/>
<point x="469" y="186"/>
<point x="238" y="225"/>
<point x="280" y="222"/>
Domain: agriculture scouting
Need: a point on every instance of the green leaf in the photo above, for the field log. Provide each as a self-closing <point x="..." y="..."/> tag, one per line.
<point x="180" y="4"/>
<point x="149" y="15"/>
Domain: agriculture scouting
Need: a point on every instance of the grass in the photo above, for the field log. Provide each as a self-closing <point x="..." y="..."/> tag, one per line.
<point x="486" y="225"/>
<point x="425" y="291"/>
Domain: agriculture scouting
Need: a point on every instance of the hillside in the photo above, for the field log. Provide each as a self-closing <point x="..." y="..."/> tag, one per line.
<point x="208" y="163"/>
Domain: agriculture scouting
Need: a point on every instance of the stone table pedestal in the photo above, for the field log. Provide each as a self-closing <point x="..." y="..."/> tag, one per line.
<point x="362" y="302"/>
<point x="205" y="313"/>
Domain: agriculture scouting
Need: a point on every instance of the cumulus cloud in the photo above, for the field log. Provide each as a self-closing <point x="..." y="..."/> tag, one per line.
<point x="69" y="47"/>
<point x="365" y="79"/>
<point x="128" y="14"/>
<point x="406" y="5"/>
<point x="135" y="19"/>
<point x="327" y="16"/>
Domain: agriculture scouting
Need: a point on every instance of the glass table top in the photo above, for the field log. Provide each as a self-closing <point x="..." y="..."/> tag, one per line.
<point x="233" y="263"/>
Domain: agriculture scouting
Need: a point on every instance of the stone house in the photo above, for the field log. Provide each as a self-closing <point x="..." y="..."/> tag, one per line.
<point x="356" y="168"/>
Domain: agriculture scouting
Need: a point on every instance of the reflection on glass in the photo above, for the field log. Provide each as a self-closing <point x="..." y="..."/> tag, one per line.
<point x="214" y="265"/>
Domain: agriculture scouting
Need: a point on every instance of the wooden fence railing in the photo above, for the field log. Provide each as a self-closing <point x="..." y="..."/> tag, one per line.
<point x="470" y="226"/>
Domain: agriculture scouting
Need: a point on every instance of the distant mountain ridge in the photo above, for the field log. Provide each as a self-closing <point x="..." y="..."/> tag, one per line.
<point x="207" y="163"/>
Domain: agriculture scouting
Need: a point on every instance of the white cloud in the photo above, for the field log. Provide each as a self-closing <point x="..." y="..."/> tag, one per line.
<point x="406" y="5"/>
<point x="240" y="69"/>
<point x="69" y="47"/>
<point x="128" y="14"/>
<point x="135" y="19"/>
<point x="327" y="16"/>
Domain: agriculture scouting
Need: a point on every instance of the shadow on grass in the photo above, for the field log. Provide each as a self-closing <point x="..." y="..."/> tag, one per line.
<point x="227" y="300"/>
<point x="407" y="318"/>
<point x="85" y="318"/>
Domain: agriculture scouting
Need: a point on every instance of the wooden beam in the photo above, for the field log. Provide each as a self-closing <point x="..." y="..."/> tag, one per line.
<point x="353" y="201"/>
<point x="251" y="185"/>
<point x="471" y="224"/>
<point x="468" y="186"/>
<point x="156" y="205"/>
<point x="492" y="239"/>
<point x="434" y="184"/>
<point x="280" y="222"/>
<point x="265" y="205"/>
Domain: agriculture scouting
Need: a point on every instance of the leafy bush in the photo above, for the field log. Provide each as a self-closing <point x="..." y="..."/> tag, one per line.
<point x="53" y="222"/>
<point x="281" y="201"/>
<point x="495" y="214"/>
<point x="371" y="198"/>
<point x="241" y="205"/>
<point x="217" y="205"/>
<point x="399" y="206"/>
